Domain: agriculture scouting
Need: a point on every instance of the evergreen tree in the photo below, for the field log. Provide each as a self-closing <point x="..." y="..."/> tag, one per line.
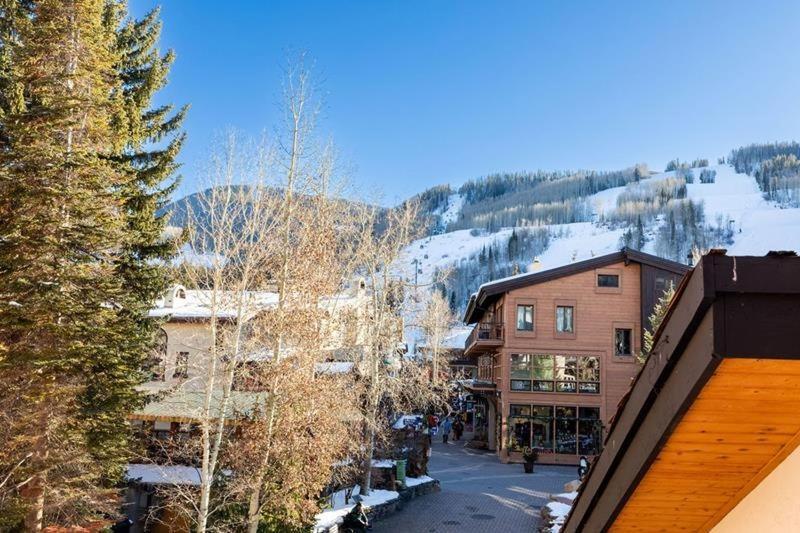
<point x="81" y="243"/>
<point x="148" y="183"/>
<point x="659" y="312"/>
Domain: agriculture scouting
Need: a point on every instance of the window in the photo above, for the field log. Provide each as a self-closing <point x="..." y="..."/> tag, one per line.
<point x="555" y="373"/>
<point x="589" y="430"/>
<point x="519" y="427"/>
<point x="555" y="429"/>
<point x="542" y="428"/>
<point x="564" y="319"/>
<point x="623" y="341"/>
<point x="543" y="373"/>
<point x="589" y="375"/>
<point x="521" y="372"/>
<point x="524" y="318"/>
<point x="566" y="430"/>
<point x="566" y="373"/>
<point x="608" y="280"/>
<point x="181" y="365"/>
<point x="159" y="359"/>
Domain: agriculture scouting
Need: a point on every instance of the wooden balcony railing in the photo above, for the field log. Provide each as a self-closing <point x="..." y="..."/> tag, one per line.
<point x="484" y="335"/>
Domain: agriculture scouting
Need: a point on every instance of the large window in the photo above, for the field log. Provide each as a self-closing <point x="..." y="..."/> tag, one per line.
<point x="524" y="318"/>
<point x="589" y="375"/>
<point x="519" y="427"/>
<point x="566" y="430"/>
<point x="521" y="371"/>
<point x="542" y="373"/>
<point x="565" y="319"/>
<point x="623" y="341"/>
<point x="555" y="429"/>
<point x="542" y="428"/>
<point x="566" y="373"/>
<point x="555" y="373"/>
<point x="589" y="430"/>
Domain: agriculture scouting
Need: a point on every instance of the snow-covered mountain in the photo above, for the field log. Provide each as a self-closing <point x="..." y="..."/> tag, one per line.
<point x="733" y="202"/>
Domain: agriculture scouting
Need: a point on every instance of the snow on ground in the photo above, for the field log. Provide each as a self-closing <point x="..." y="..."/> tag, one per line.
<point x="339" y="508"/>
<point x="558" y="511"/>
<point x="454" y="204"/>
<point x="759" y="227"/>
<point x="414" y="481"/>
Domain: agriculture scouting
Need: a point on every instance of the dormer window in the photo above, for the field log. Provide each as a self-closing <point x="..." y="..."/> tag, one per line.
<point x="180" y="293"/>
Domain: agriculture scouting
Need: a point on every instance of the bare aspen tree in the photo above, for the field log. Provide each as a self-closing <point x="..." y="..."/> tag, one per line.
<point x="232" y="218"/>
<point x="436" y="321"/>
<point x="304" y="428"/>
<point x="388" y="386"/>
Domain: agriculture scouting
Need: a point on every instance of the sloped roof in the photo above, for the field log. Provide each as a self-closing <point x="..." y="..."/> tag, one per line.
<point x="187" y="406"/>
<point x="714" y="409"/>
<point x="488" y="292"/>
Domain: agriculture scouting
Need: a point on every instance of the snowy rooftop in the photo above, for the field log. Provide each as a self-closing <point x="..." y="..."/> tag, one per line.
<point x="181" y="303"/>
<point x="186" y="406"/>
<point x="335" y="367"/>
<point x="163" y="474"/>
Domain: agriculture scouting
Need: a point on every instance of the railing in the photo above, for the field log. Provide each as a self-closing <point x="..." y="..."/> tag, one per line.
<point x="485" y="331"/>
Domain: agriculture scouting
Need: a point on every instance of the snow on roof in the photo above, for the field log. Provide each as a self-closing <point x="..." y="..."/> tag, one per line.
<point x="163" y="474"/>
<point x="334" y="367"/>
<point x="186" y="406"/>
<point x="454" y="339"/>
<point x="197" y="304"/>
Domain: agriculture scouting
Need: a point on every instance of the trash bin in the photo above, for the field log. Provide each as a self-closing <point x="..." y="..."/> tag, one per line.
<point x="400" y="475"/>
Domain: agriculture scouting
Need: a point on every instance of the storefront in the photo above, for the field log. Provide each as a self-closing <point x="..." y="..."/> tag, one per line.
<point x="560" y="433"/>
<point x="480" y="408"/>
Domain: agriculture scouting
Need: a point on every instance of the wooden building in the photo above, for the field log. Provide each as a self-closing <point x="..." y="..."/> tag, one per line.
<point x="556" y="350"/>
<point x="707" y="439"/>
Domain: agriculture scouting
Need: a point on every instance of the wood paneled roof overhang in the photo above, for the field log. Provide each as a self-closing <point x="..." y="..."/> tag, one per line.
<point x="715" y="408"/>
<point x="489" y="292"/>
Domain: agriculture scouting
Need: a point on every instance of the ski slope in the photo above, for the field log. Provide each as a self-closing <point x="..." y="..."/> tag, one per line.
<point x="759" y="227"/>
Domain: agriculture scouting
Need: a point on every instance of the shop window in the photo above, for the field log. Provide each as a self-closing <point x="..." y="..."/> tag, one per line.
<point x="542" y="428"/>
<point x="565" y="319"/>
<point x="566" y="430"/>
<point x="524" y="318"/>
<point x="608" y="280"/>
<point x="623" y="341"/>
<point x="590" y="430"/>
<point x="519" y="427"/>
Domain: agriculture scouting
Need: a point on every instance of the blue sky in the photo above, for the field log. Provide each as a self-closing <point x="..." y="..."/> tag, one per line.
<point x="420" y="93"/>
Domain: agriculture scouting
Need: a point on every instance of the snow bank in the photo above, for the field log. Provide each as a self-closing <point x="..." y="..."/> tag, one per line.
<point x="414" y="481"/>
<point x="339" y="509"/>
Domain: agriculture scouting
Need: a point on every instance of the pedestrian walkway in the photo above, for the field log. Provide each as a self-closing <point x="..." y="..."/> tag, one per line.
<point x="479" y="494"/>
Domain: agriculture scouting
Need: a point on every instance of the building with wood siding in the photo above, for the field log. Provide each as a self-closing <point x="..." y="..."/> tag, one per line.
<point x="556" y="350"/>
<point x="708" y="437"/>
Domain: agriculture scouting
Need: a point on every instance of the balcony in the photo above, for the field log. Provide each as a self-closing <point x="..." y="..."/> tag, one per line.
<point x="485" y="337"/>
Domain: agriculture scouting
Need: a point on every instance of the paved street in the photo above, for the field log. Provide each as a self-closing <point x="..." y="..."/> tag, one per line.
<point x="479" y="494"/>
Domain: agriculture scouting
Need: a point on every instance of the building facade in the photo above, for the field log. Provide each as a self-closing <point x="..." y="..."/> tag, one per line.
<point x="556" y="351"/>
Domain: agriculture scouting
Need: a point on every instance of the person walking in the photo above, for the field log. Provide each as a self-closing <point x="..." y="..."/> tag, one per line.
<point x="458" y="427"/>
<point x="447" y="425"/>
